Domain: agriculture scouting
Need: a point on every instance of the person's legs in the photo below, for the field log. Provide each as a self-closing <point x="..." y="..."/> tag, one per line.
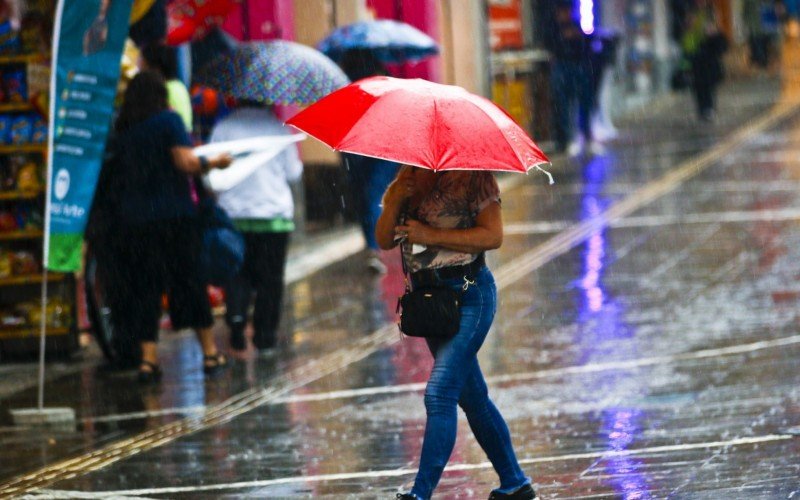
<point x="560" y="85"/>
<point x="702" y="89"/>
<point x="238" y="293"/>
<point x="268" y="272"/>
<point x="237" y="300"/>
<point x="381" y="174"/>
<point x="584" y="83"/>
<point x="490" y="429"/>
<point x="189" y="306"/>
<point x="133" y="291"/>
<point x="135" y="303"/>
<point x="358" y="175"/>
<point x="448" y="378"/>
<point x="705" y="100"/>
<point x="761" y="51"/>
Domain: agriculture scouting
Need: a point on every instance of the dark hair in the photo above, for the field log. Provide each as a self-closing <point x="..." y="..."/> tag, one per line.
<point x="145" y="96"/>
<point x="161" y="58"/>
<point x="361" y="63"/>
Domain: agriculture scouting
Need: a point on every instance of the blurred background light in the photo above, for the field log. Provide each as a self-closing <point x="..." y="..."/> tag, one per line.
<point x="586" y="11"/>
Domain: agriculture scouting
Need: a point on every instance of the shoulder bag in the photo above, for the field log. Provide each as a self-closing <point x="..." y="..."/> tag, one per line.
<point x="223" y="250"/>
<point x="432" y="309"/>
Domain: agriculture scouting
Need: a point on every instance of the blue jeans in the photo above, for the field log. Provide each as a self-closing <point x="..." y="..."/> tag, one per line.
<point x="369" y="178"/>
<point x="456" y="379"/>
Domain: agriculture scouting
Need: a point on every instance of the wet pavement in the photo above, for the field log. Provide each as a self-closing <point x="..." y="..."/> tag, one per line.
<point x="646" y="346"/>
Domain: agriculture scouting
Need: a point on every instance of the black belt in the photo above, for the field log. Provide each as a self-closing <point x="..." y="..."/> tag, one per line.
<point x="433" y="276"/>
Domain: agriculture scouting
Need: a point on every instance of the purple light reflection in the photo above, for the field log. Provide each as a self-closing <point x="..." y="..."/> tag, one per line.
<point x="593" y="259"/>
<point x="601" y="315"/>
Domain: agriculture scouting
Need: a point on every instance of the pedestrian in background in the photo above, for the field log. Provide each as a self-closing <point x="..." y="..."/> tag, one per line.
<point x="368" y="177"/>
<point x="456" y="216"/>
<point x="155" y="210"/>
<point x="571" y="80"/>
<point x="164" y="59"/>
<point x="703" y="45"/>
<point x="262" y="208"/>
<point x="761" y="22"/>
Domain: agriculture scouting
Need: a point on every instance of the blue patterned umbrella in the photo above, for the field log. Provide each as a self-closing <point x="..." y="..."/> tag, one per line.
<point x="390" y="41"/>
<point x="274" y="72"/>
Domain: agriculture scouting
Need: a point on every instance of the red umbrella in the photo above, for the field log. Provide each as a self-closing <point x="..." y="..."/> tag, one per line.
<point x="193" y="19"/>
<point x="417" y="122"/>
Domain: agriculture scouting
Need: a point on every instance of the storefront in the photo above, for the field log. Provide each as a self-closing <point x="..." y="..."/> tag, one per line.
<point x="25" y="78"/>
<point x="518" y="70"/>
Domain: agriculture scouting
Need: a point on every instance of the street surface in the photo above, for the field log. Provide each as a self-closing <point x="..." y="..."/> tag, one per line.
<point x="647" y="345"/>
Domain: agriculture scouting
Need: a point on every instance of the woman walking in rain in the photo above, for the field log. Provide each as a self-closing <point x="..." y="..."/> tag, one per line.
<point x="456" y="216"/>
<point x="155" y="211"/>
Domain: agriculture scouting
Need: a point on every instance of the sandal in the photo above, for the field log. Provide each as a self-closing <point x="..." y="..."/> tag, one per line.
<point x="214" y="363"/>
<point x="150" y="376"/>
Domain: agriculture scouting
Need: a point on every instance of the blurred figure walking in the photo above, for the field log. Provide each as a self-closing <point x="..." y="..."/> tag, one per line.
<point x="157" y="213"/>
<point x="369" y="177"/>
<point x="703" y="45"/>
<point x="761" y="22"/>
<point x="262" y="208"/>
<point x="572" y="81"/>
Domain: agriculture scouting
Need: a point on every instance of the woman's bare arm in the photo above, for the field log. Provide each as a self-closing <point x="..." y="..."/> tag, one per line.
<point x="486" y="235"/>
<point x="186" y="161"/>
<point x="394" y="200"/>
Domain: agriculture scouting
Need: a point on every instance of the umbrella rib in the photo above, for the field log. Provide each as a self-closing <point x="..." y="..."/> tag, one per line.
<point x="435" y="134"/>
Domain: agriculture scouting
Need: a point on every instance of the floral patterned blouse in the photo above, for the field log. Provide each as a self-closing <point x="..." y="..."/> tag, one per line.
<point x="454" y="202"/>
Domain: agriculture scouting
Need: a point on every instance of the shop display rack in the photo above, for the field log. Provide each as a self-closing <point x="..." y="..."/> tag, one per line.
<point x="23" y="156"/>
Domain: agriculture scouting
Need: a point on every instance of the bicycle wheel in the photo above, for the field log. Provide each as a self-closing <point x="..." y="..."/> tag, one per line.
<point x="121" y="351"/>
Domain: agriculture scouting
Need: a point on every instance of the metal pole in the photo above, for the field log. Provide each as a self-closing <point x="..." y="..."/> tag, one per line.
<point x="42" y="331"/>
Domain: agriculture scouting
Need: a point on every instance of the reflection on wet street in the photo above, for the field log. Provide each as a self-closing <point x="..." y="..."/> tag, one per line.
<point x="646" y="346"/>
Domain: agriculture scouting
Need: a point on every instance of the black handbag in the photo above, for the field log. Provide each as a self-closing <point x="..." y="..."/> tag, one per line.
<point x="431" y="312"/>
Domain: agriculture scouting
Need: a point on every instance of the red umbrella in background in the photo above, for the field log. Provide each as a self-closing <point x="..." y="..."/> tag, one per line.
<point x="417" y="122"/>
<point x="193" y="19"/>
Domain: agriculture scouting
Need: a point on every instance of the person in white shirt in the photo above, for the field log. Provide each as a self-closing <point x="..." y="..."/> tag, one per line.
<point x="262" y="208"/>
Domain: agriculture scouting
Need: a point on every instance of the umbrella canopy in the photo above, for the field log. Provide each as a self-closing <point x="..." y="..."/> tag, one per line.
<point x="193" y="19"/>
<point x="390" y="41"/>
<point x="416" y="122"/>
<point x="274" y="72"/>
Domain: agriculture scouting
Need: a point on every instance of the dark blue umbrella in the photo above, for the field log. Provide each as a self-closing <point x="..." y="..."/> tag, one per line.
<point x="390" y="41"/>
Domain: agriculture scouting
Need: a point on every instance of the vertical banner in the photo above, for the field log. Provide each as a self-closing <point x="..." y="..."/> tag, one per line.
<point x="88" y="39"/>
